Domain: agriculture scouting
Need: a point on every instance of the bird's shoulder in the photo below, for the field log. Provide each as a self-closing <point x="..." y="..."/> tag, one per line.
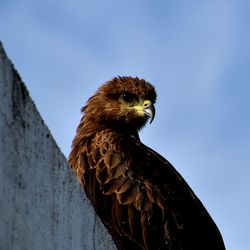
<point x="124" y="166"/>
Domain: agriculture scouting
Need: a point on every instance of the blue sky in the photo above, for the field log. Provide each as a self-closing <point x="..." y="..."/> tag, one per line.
<point x="197" y="55"/>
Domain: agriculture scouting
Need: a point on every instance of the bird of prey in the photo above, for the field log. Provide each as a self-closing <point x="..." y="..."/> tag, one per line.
<point x="138" y="195"/>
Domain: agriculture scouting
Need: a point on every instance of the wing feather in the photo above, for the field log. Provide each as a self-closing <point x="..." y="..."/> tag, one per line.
<point x="127" y="197"/>
<point x="141" y="198"/>
<point x="127" y="184"/>
<point x="112" y="186"/>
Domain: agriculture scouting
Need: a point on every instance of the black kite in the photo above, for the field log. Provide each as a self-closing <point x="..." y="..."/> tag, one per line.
<point x="139" y="196"/>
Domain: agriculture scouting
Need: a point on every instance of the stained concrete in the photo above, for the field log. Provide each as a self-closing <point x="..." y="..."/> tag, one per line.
<point x="41" y="204"/>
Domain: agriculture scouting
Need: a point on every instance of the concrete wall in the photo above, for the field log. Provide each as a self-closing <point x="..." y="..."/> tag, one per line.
<point x="41" y="204"/>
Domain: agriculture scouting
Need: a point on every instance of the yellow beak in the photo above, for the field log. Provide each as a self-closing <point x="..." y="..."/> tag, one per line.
<point x="149" y="110"/>
<point x="146" y="108"/>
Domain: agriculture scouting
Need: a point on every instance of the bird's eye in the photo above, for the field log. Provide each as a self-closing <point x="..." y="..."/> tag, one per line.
<point x="128" y="97"/>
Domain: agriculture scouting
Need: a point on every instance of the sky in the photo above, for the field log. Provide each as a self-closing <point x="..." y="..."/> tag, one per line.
<point x="195" y="53"/>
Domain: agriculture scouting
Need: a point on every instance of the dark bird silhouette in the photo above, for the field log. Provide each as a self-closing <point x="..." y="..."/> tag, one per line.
<point x="138" y="195"/>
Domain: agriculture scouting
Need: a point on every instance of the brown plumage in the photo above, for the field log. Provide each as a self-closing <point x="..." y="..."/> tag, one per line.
<point x="139" y="196"/>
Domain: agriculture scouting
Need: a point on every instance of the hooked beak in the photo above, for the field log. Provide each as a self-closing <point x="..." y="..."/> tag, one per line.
<point x="149" y="110"/>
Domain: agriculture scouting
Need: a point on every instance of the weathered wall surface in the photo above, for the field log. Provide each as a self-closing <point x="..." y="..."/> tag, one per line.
<point x="41" y="204"/>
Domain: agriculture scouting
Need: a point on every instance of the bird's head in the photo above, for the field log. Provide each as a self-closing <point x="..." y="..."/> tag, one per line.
<point x="123" y="102"/>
